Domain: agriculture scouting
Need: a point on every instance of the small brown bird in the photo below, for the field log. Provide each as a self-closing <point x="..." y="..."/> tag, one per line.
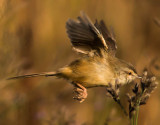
<point x="98" y="66"/>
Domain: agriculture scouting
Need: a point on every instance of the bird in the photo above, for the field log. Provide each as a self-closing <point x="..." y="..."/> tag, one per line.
<point x="98" y="66"/>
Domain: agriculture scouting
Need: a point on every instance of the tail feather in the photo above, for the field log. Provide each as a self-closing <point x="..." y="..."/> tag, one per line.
<point x="47" y="74"/>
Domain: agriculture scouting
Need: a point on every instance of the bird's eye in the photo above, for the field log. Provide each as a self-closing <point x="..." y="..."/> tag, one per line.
<point x="129" y="73"/>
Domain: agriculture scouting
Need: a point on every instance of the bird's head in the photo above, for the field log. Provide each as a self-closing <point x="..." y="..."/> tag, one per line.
<point x="126" y="72"/>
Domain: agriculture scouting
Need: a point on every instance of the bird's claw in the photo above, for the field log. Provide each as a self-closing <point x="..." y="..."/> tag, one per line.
<point x="81" y="93"/>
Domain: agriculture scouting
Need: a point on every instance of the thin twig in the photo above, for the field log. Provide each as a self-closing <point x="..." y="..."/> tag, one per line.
<point x="114" y="93"/>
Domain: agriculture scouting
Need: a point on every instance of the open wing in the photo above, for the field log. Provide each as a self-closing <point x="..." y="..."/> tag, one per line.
<point x="88" y="38"/>
<point x="108" y="36"/>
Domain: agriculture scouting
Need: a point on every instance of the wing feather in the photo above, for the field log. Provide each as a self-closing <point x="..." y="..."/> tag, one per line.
<point x="87" y="37"/>
<point x="108" y="36"/>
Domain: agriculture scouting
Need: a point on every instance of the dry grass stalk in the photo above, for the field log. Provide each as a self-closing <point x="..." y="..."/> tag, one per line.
<point x="113" y="92"/>
<point x="141" y="93"/>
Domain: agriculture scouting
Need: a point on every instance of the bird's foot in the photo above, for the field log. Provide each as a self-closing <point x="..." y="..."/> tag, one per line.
<point x="81" y="93"/>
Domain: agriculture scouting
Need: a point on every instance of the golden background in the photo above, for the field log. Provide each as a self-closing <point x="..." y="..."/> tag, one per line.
<point x="33" y="39"/>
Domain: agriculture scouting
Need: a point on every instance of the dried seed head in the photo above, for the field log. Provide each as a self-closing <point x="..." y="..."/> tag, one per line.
<point x="142" y="103"/>
<point x="153" y="78"/>
<point x="144" y="99"/>
<point x="146" y="96"/>
<point x="135" y="89"/>
<point x="156" y="83"/>
<point x="145" y="73"/>
<point x="108" y="95"/>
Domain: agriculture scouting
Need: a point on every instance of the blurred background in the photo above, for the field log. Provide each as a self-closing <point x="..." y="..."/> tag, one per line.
<point x="33" y="39"/>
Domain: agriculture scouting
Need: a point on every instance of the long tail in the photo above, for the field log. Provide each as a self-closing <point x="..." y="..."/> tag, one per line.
<point x="47" y="74"/>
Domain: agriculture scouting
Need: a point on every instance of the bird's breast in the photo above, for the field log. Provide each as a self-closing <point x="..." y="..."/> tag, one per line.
<point x="89" y="74"/>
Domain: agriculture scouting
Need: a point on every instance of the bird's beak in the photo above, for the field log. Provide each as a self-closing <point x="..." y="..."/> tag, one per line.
<point x="138" y="77"/>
